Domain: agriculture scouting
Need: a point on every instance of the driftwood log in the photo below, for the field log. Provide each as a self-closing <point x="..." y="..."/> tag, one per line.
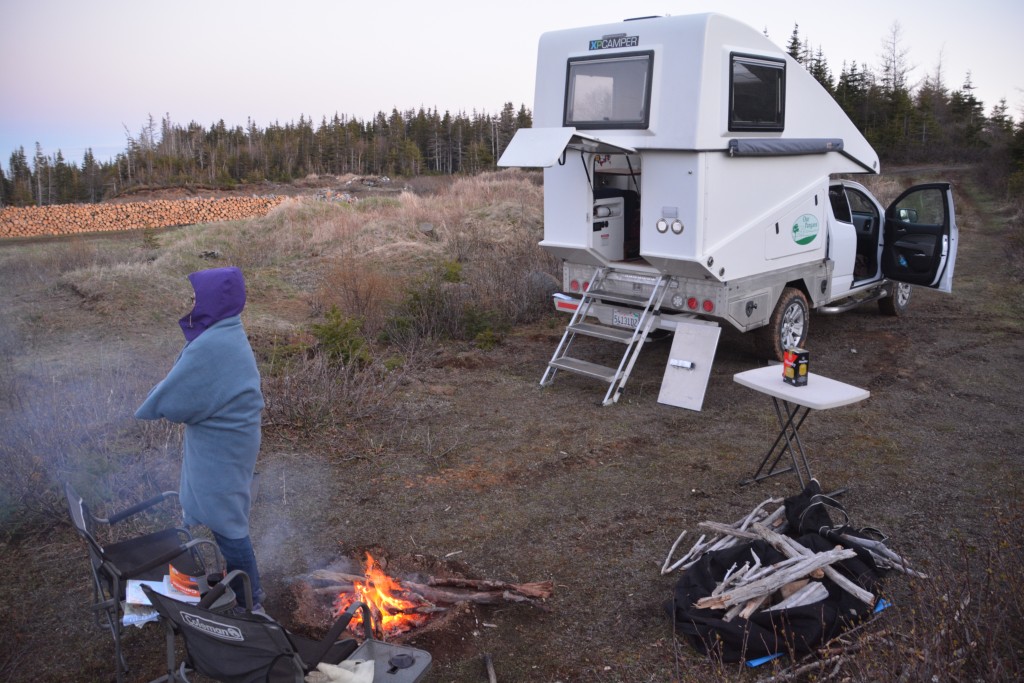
<point x="774" y="581"/>
<point x="722" y="539"/>
<point x="790" y="548"/>
<point x="442" y="590"/>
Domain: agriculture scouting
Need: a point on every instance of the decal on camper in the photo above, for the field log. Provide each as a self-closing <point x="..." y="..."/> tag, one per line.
<point x="805" y="229"/>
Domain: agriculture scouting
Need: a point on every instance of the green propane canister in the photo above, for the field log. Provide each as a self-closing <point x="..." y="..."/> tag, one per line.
<point x="794" y="366"/>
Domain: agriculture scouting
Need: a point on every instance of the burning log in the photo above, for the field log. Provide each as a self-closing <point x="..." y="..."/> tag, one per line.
<point x="484" y="597"/>
<point x="486" y="593"/>
<point x="398" y="606"/>
<point x="541" y="589"/>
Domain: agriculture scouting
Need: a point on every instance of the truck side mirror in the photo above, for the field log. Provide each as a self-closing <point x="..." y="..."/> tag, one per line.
<point x="908" y="215"/>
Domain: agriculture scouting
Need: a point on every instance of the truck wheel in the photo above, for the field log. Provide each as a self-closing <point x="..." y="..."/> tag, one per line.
<point x="787" y="327"/>
<point x="896" y="303"/>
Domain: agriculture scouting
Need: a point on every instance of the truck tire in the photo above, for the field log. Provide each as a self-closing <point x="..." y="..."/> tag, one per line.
<point x="896" y="304"/>
<point x="787" y="327"/>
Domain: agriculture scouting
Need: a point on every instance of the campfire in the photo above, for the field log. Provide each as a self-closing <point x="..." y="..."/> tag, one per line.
<point x="395" y="609"/>
<point x="401" y="605"/>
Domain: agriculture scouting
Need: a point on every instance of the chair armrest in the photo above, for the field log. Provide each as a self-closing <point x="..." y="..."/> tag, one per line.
<point x="217" y="591"/>
<point x="167" y="556"/>
<point x="163" y="558"/>
<point x="138" y="507"/>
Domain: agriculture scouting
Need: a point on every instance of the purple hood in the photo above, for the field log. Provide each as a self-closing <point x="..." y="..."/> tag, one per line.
<point x="220" y="294"/>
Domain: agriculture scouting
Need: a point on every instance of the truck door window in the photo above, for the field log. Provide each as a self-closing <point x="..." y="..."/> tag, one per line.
<point x="840" y="207"/>
<point x="924" y="207"/>
<point x="757" y="93"/>
<point x="861" y="204"/>
<point x="609" y="92"/>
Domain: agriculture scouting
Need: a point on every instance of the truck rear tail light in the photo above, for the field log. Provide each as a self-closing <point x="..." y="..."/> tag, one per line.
<point x="709" y="305"/>
<point x="574" y="285"/>
<point x="691" y="303"/>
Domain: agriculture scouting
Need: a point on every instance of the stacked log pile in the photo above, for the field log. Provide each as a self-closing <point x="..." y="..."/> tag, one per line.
<point x="70" y="219"/>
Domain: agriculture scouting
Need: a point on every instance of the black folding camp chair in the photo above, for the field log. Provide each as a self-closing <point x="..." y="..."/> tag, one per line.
<point x="245" y="647"/>
<point x="144" y="557"/>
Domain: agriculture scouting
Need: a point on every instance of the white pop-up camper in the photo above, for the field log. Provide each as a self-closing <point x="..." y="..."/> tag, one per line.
<point x="687" y="181"/>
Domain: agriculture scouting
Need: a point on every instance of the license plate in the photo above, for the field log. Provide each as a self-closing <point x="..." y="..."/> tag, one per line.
<point x="628" y="319"/>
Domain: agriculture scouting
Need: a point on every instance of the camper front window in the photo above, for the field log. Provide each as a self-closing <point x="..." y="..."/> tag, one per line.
<point x="609" y="92"/>
<point x="757" y="93"/>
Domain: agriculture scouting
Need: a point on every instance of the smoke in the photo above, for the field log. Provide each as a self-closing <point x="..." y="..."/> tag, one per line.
<point x="68" y="418"/>
<point x="294" y="490"/>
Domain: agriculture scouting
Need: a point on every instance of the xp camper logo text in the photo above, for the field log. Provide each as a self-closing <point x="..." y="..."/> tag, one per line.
<point x="618" y="40"/>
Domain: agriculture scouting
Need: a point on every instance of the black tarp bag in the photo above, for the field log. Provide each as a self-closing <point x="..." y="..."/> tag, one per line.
<point x="794" y="630"/>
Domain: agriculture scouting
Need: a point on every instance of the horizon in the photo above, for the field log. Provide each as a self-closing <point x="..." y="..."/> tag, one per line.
<point x="205" y="63"/>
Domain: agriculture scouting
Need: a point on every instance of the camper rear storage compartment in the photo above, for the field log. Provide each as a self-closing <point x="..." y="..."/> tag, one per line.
<point x="608" y="235"/>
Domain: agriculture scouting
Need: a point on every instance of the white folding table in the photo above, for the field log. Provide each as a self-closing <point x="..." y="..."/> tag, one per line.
<point x="792" y="406"/>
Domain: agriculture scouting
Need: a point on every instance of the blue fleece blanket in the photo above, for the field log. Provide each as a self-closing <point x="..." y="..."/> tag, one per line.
<point x="214" y="389"/>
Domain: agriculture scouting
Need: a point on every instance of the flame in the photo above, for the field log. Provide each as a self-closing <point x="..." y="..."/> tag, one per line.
<point x="383" y="595"/>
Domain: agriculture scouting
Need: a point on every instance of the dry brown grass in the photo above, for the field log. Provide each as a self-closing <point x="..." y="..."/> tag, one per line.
<point x="417" y="437"/>
<point x="369" y="260"/>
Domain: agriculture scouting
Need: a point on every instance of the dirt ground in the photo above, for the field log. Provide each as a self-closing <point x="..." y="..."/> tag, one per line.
<point x="493" y="477"/>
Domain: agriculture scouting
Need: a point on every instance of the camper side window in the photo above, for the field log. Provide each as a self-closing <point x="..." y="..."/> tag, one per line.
<point x="757" y="93"/>
<point x="609" y="92"/>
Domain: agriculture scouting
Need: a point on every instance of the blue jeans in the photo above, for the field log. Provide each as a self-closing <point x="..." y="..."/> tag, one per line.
<point x="238" y="554"/>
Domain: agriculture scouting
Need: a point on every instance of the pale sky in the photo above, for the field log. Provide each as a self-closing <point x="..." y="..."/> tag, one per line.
<point x="75" y="73"/>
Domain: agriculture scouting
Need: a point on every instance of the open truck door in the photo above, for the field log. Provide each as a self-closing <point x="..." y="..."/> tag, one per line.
<point x="920" y="237"/>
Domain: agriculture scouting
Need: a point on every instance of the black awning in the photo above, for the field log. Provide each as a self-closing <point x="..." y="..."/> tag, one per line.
<point x="783" y="147"/>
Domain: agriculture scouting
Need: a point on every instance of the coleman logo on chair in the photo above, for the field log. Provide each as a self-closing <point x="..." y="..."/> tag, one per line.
<point x="215" y="629"/>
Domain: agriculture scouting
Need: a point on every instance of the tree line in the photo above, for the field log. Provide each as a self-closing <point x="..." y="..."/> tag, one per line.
<point x="924" y="122"/>
<point x="168" y="154"/>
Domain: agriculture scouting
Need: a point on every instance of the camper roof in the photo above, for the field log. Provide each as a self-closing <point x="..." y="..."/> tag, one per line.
<point x="698" y="82"/>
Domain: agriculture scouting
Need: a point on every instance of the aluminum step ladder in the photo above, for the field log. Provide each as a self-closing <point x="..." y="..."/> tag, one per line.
<point x="633" y="339"/>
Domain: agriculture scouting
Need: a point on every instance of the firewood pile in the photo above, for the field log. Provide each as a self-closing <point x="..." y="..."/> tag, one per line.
<point x="792" y="582"/>
<point x="70" y="219"/>
<point x="797" y="580"/>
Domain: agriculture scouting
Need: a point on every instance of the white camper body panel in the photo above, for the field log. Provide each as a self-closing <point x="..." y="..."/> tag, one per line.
<point x="748" y="232"/>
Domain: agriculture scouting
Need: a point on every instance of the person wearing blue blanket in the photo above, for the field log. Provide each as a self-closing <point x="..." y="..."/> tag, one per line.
<point x="214" y="390"/>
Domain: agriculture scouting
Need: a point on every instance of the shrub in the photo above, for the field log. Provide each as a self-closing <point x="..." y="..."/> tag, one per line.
<point x="434" y="308"/>
<point x="341" y="340"/>
<point x="451" y="272"/>
<point x="317" y="397"/>
<point x="359" y="289"/>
